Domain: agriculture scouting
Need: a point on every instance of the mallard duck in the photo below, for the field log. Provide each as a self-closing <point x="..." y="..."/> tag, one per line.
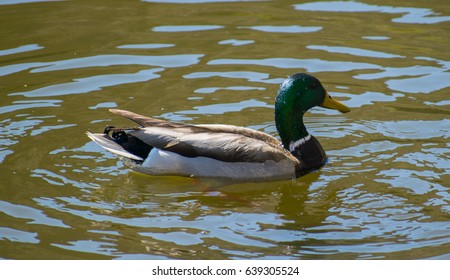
<point x="161" y="147"/>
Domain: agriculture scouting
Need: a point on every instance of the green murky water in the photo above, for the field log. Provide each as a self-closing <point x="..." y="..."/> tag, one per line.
<point x="384" y="194"/>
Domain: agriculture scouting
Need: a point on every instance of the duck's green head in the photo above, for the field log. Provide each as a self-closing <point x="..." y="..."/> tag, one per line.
<point x="299" y="93"/>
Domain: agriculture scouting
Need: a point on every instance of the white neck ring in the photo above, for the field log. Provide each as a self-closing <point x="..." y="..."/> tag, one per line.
<point x="295" y="144"/>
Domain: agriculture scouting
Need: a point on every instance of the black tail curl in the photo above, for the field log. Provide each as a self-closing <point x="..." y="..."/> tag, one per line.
<point x="129" y="142"/>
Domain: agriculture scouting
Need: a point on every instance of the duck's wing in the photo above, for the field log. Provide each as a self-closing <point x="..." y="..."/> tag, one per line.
<point x="222" y="142"/>
<point x="226" y="147"/>
<point x="188" y="128"/>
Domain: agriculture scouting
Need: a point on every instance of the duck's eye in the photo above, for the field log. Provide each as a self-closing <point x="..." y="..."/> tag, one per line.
<point x="313" y="85"/>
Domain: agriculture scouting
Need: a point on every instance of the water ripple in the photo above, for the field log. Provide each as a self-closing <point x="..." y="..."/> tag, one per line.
<point x="92" y="83"/>
<point x="310" y="65"/>
<point x="235" y="42"/>
<point x="250" y="76"/>
<point x="198" y="1"/>
<point x="354" y="51"/>
<point x="403" y="130"/>
<point x="284" y="29"/>
<point x="29" y="104"/>
<point x="26" y="212"/>
<point x="412" y="15"/>
<point x="185" y="28"/>
<point x="145" y="46"/>
<point x="25" y="48"/>
<point x="18" y="235"/>
<point x="13" y="2"/>
<point x="103" y="61"/>
<point x="216" y="109"/>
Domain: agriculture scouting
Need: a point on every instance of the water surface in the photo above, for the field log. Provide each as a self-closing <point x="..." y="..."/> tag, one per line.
<point x="383" y="195"/>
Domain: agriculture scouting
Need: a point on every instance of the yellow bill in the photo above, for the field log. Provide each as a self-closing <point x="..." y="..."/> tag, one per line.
<point x="331" y="103"/>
